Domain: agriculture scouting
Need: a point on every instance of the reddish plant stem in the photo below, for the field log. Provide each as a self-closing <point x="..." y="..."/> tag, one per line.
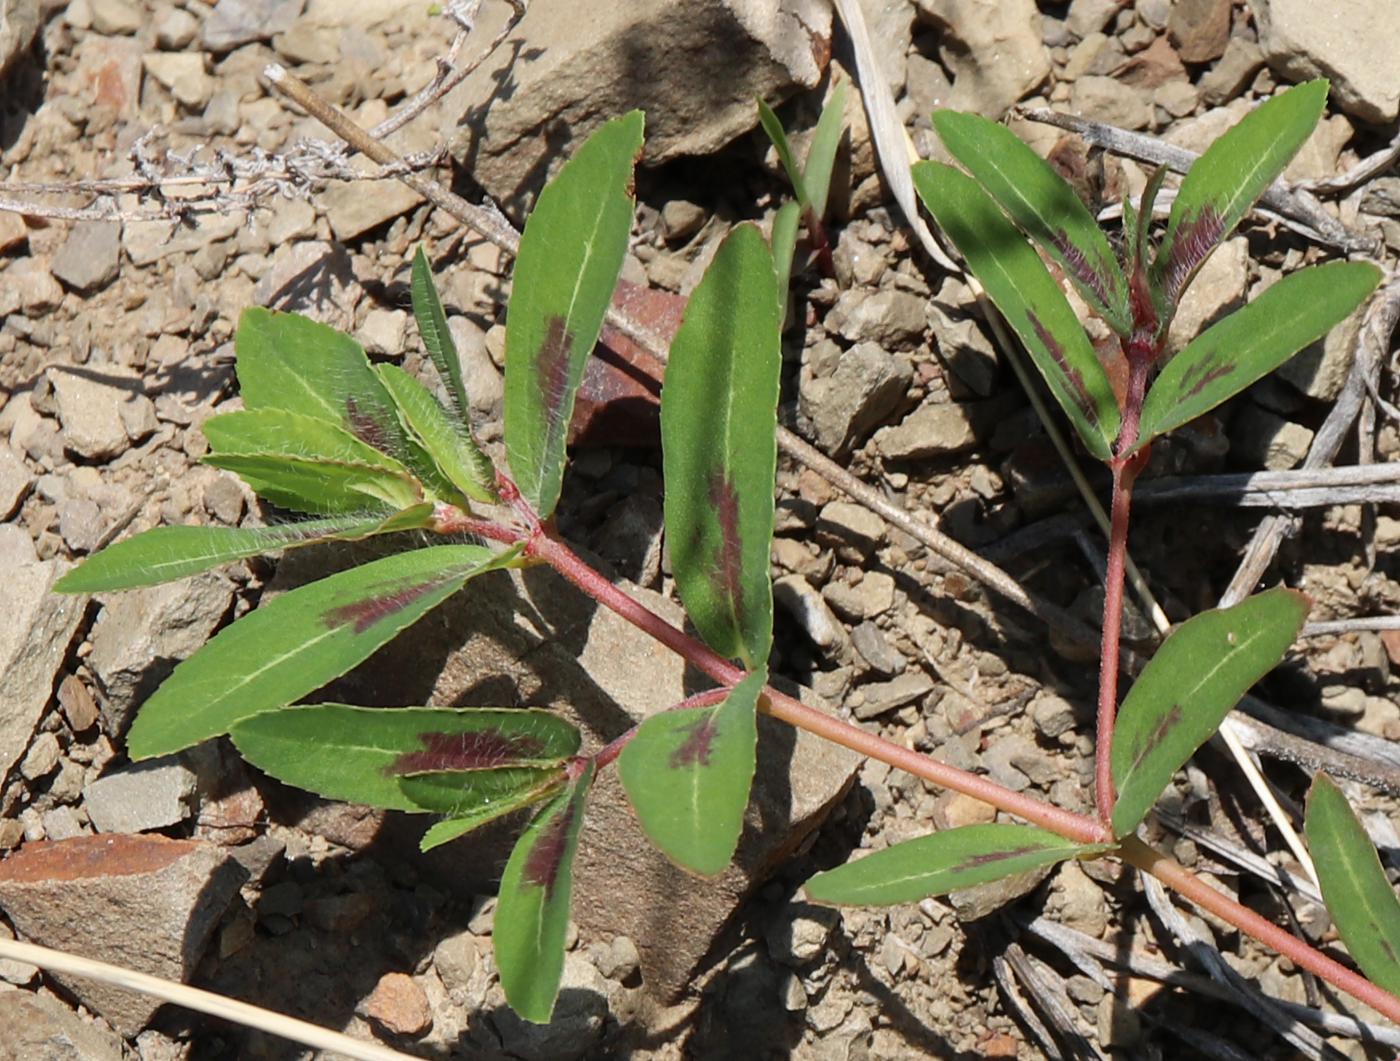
<point x="795" y="713"/>
<point x="1184" y="882"/>
<point x="1125" y="468"/>
<point x="821" y="244"/>
<point x="784" y="708"/>
<point x="1112" y="629"/>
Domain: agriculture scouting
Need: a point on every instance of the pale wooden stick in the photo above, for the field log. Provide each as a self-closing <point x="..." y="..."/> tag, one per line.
<point x="298" y="1031"/>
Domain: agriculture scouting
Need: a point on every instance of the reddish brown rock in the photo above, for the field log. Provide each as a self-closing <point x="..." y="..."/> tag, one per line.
<point x="398" y="1005"/>
<point x="142" y="902"/>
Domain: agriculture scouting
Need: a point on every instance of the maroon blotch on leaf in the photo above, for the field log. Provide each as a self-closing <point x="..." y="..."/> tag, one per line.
<point x="1078" y="264"/>
<point x="1072" y="374"/>
<point x="542" y="867"/>
<point x="366" y="612"/>
<point x="988" y="857"/>
<point x="477" y="750"/>
<point x="1204" y="374"/>
<point x="725" y="500"/>
<point x="365" y="426"/>
<point x="1194" y="240"/>
<point x="695" y="749"/>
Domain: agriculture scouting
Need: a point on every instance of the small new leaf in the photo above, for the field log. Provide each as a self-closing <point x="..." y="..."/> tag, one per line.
<point x="1032" y="303"/>
<point x="778" y="135"/>
<point x="719" y="447"/>
<point x="943" y="862"/>
<point x="1190" y="685"/>
<point x="821" y="154"/>
<point x="437" y="337"/>
<point x="298" y="642"/>
<point x="455" y="454"/>
<point x="570" y="256"/>
<point x="532" y="915"/>
<point x="688" y="772"/>
<point x="1358" y="894"/>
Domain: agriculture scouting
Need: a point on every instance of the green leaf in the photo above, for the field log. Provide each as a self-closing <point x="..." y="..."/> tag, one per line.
<point x="1190" y="685"/>
<point x="365" y="754"/>
<point x="1227" y="179"/>
<point x="776" y="133"/>
<point x="167" y="553"/>
<point x="1032" y="303"/>
<point x="1041" y="202"/>
<point x="319" y="486"/>
<point x="478" y="798"/>
<point x="289" y="362"/>
<point x="437" y="336"/>
<point x="1358" y="894"/>
<point x="821" y="154"/>
<point x="298" y="642"/>
<point x="719" y="447"/>
<point x="1253" y="341"/>
<point x="570" y="257"/>
<point x="943" y="862"/>
<point x="688" y="772"/>
<point x="305" y="463"/>
<point x="483" y="797"/>
<point x="532" y="915"/>
<point x="461" y="463"/>
<point x="784" y="241"/>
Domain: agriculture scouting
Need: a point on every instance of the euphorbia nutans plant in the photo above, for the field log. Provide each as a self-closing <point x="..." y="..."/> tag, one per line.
<point x="370" y="450"/>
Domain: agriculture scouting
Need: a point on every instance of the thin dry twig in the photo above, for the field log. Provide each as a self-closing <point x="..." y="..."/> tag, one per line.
<point x="298" y="1031"/>
<point x="1247" y="995"/>
<point x="1087" y="952"/>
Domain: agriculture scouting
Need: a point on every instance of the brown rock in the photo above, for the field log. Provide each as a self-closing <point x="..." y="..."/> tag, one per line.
<point x="143" y="902"/>
<point x="1200" y="29"/>
<point x="398" y="1005"/>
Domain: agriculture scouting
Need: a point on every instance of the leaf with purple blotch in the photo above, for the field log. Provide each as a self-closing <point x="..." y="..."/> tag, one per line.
<point x="1227" y="179"/>
<point x="532" y="914"/>
<point x="1183" y="694"/>
<point x="293" y="645"/>
<point x="1358" y="894"/>
<point x="688" y="771"/>
<point x="1253" y="341"/>
<point x="164" y="554"/>
<point x="570" y="257"/>
<point x="1044" y="205"/>
<point x="719" y="447"/>
<point x="290" y="362"/>
<point x="943" y="862"/>
<point x="1021" y="287"/>
<point x="363" y="754"/>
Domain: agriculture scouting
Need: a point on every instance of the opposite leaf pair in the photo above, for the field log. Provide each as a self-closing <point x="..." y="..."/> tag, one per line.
<point x="1011" y="186"/>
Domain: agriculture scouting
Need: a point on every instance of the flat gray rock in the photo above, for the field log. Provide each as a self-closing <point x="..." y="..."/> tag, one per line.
<point x="89" y="257"/>
<point x="142" y="633"/>
<point x="140" y="798"/>
<point x="34" y="638"/>
<point x="19" y="22"/>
